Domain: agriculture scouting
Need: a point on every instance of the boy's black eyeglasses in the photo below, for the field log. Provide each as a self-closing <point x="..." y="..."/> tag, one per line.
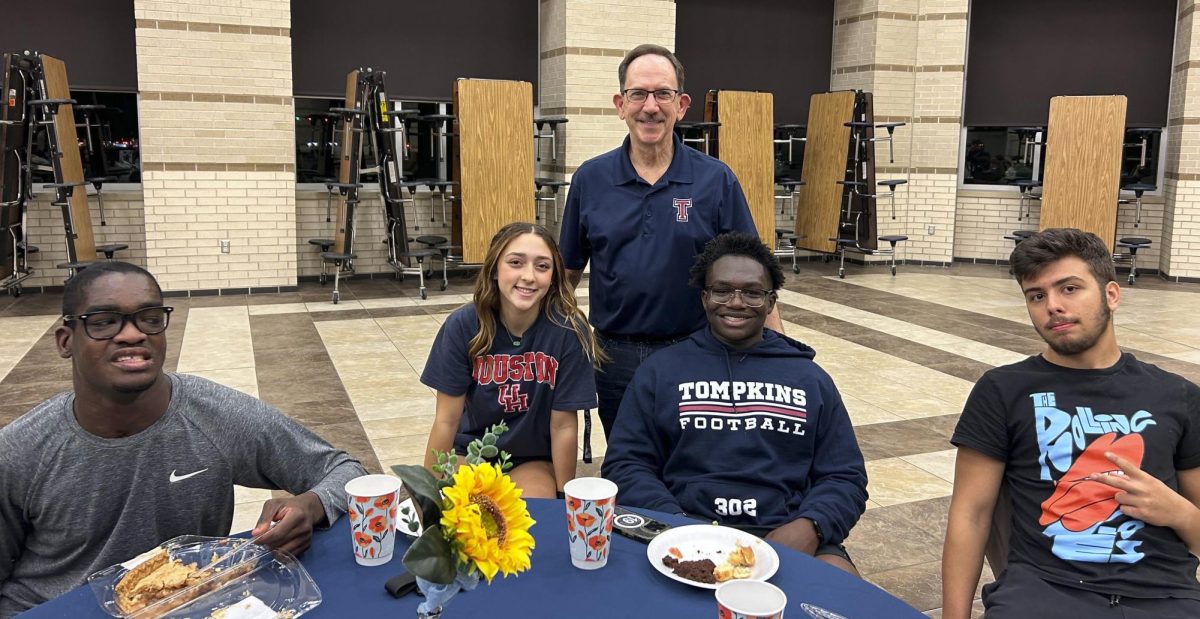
<point x="106" y="325"/>
<point x="751" y="297"/>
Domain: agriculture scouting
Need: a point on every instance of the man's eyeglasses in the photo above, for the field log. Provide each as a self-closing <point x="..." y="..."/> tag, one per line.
<point x="106" y="325"/>
<point x="751" y="297"/>
<point x="638" y="95"/>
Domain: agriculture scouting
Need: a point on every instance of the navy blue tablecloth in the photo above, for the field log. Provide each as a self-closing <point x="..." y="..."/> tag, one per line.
<point x="627" y="587"/>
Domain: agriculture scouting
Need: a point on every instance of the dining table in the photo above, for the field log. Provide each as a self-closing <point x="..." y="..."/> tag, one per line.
<point x="628" y="586"/>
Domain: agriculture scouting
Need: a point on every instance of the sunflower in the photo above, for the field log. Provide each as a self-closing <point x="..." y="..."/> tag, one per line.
<point x="487" y="522"/>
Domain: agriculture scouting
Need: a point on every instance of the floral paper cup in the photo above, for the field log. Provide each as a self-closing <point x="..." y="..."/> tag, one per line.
<point x="590" y="505"/>
<point x="750" y="599"/>
<point x="372" y="514"/>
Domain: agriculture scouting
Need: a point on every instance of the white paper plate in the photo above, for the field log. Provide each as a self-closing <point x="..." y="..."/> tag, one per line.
<point x="407" y="521"/>
<point x="706" y="541"/>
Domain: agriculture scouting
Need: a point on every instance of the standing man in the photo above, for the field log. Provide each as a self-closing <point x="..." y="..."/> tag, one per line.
<point x="1099" y="454"/>
<point x="640" y="214"/>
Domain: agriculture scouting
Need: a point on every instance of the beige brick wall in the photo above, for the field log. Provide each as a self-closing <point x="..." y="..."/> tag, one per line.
<point x="909" y="56"/>
<point x="370" y="229"/>
<point x="983" y="219"/>
<point x="1179" y="254"/>
<point x="123" y="214"/>
<point x="217" y="136"/>
<point x="582" y="42"/>
<point x="188" y="213"/>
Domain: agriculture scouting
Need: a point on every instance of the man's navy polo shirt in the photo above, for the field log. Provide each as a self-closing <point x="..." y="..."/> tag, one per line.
<point x="642" y="239"/>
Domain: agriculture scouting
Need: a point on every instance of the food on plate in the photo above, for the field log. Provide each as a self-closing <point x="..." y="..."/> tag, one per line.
<point x="741" y="555"/>
<point x="737" y="565"/>
<point x="725" y="571"/>
<point x="699" y="571"/>
<point x="156" y="578"/>
<point x="160" y="577"/>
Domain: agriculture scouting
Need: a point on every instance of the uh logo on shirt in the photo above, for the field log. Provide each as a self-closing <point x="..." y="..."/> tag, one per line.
<point x="1077" y="515"/>
<point x="508" y="371"/>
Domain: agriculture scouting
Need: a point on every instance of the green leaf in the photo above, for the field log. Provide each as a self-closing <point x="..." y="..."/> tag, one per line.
<point x="489" y="451"/>
<point x="423" y="488"/>
<point x="431" y="557"/>
<point x="489" y="439"/>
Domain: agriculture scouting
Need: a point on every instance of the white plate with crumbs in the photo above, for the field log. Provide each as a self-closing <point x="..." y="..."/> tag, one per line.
<point x="706" y="541"/>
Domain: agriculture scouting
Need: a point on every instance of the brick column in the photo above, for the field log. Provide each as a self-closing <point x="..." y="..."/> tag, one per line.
<point x="1179" y="255"/>
<point x="217" y="140"/>
<point x="581" y="44"/>
<point x="910" y="56"/>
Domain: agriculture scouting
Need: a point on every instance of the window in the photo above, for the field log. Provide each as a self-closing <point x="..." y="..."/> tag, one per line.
<point x="318" y="137"/>
<point x="106" y="127"/>
<point x="1005" y="155"/>
<point x="1002" y="156"/>
<point x="1022" y="53"/>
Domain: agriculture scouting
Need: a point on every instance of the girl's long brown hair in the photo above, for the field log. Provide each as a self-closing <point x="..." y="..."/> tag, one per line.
<point x="558" y="304"/>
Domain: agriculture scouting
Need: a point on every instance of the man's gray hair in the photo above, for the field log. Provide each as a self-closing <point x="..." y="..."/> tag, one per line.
<point x="650" y="49"/>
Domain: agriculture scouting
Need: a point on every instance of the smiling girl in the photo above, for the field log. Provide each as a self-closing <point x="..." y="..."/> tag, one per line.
<point x="521" y="353"/>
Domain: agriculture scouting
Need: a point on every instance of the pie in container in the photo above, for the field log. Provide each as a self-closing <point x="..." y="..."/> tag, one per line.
<point x="160" y="577"/>
<point x="156" y="578"/>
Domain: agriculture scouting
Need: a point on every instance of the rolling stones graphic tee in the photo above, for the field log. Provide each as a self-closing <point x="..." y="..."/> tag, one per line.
<point x="1052" y="426"/>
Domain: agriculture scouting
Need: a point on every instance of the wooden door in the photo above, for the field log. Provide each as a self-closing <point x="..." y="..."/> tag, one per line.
<point x="747" y="146"/>
<point x="1083" y="164"/>
<point x="821" y="200"/>
<point x="493" y="160"/>
<point x="81" y="245"/>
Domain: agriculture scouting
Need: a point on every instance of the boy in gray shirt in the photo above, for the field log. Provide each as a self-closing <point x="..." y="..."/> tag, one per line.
<point x="134" y="456"/>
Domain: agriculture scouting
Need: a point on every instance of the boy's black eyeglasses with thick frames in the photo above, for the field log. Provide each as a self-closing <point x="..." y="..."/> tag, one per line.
<point x="662" y="95"/>
<point x="106" y="325"/>
<point x="751" y="297"/>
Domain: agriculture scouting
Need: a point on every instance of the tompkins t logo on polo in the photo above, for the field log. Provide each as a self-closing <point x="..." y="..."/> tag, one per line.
<point x="681" y="206"/>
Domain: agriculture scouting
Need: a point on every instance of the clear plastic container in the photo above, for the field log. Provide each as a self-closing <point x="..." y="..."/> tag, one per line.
<point x="274" y="578"/>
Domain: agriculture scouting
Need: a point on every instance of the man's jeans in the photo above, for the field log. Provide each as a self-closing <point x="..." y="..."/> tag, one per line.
<point x="614" y="376"/>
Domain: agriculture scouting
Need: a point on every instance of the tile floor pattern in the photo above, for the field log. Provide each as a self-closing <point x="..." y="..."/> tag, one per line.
<point x="904" y="352"/>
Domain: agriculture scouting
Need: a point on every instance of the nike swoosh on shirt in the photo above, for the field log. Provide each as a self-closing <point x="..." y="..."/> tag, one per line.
<point x="175" y="478"/>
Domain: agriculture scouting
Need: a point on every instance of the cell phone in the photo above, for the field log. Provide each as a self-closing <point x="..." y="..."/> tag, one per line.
<point x="637" y="526"/>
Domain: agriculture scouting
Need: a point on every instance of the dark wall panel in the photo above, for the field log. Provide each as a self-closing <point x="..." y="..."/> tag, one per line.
<point x="423" y="46"/>
<point x="779" y="46"/>
<point x="1023" y="52"/>
<point x="94" y="37"/>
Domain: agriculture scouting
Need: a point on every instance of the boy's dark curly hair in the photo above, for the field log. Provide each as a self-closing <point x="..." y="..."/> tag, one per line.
<point x="736" y="244"/>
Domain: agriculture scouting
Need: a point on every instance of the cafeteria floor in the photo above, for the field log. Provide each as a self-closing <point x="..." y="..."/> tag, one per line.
<point x="904" y="352"/>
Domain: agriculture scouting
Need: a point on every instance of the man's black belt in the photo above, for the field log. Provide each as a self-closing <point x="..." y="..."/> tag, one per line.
<point x="642" y="339"/>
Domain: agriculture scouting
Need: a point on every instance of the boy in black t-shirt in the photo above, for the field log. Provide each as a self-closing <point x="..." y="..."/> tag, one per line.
<point x="1099" y="453"/>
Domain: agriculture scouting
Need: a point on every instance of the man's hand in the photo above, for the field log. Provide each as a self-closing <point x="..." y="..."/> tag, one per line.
<point x="1145" y="497"/>
<point x="799" y="534"/>
<point x="294" y="519"/>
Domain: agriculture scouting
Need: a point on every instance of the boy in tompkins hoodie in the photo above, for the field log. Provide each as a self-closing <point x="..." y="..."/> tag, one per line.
<point x="737" y="424"/>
